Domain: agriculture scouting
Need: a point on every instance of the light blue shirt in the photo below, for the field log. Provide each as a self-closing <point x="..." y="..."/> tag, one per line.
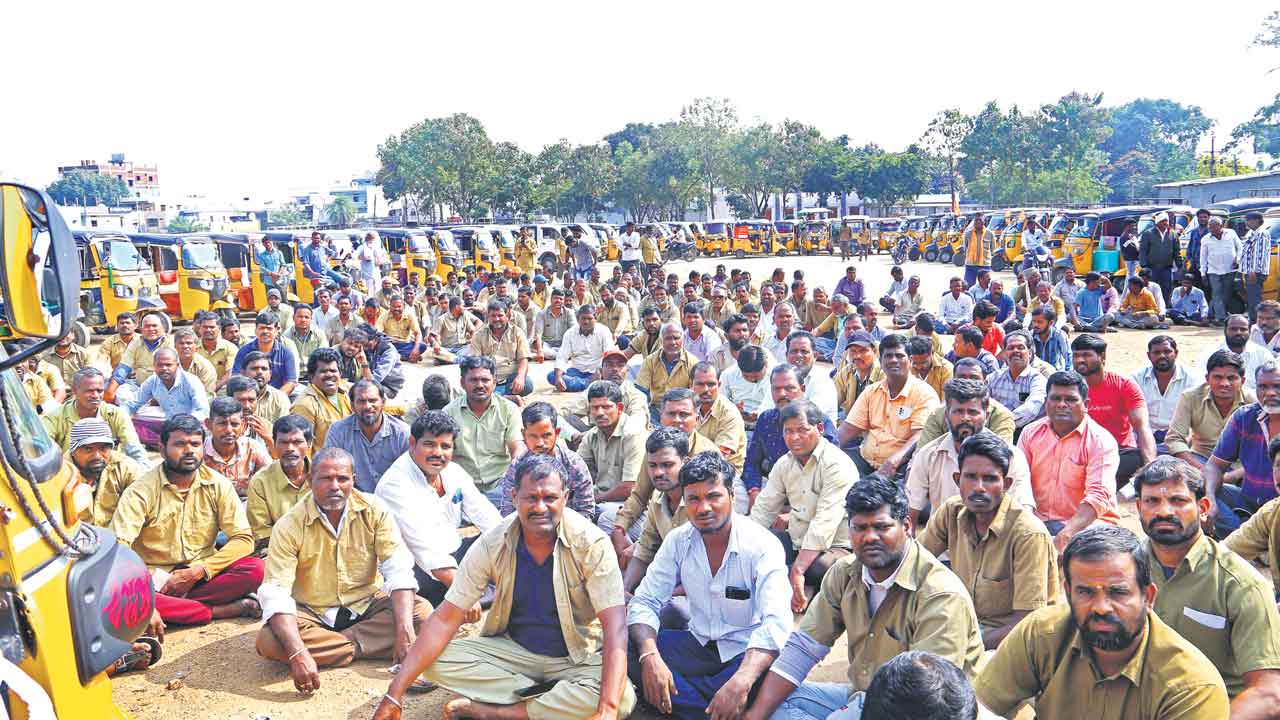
<point x="1191" y="304"/>
<point x="186" y="397"/>
<point x="754" y="562"/>
<point x="269" y="262"/>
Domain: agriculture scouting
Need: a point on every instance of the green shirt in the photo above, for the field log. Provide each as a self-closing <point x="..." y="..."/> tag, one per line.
<point x="481" y="445"/>
<point x="59" y="424"/>
<point x="1044" y="660"/>
<point x="1222" y="605"/>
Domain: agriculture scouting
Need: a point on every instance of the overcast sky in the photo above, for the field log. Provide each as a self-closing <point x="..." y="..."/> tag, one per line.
<point x="259" y="97"/>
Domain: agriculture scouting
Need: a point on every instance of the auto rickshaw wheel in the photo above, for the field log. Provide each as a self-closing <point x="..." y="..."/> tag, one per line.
<point x="80" y="334"/>
<point x="740" y="254"/>
<point x="957" y="259"/>
<point x="914" y="253"/>
<point x="931" y="255"/>
<point x="945" y="255"/>
<point x="998" y="262"/>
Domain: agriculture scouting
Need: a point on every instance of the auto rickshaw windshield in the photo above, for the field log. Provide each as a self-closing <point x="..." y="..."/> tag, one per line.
<point x="419" y="244"/>
<point x="200" y="255"/>
<point x="486" y="241"/>
<point x="714" y="228"/>
<point x="785" y="227"/>
<point x="121" y="255"/>
<point x="447" y="243"/>
<point x="1084" y="227"/>
<point x="33" y="439"/>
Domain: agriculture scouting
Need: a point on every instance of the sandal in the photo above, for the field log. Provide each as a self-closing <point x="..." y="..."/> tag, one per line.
<point x="137" y="659"/>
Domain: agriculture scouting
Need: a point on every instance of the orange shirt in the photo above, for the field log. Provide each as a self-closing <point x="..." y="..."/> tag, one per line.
<point x="1142" y="302"/>
<point x="1068" y="471"/>
<point x="891" y="421"/>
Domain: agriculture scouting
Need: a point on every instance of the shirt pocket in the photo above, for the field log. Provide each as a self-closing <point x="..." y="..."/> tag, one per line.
<point x="1071" y="474"/>
<point x="992" y="597"/>
<point x="737" y="612"/>
<point x="1208" y="631"/>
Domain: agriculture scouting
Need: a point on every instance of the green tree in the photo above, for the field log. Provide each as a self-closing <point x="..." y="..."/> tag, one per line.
<point x="1262" y="132"/>
<point x="1071" y="131"/>
<point x="594" y="174"/>
<point x="1152" y="140"/>
<point x="87" y="189"/>
<point x="754" y="156"/>
<point x="413" y="167"/>
<point x="706" y="128"/>
<point x="469" y="164"/>
<point x="340" y="211"/>
<point x="511" y="193"/>
<point x="1226" y="166"/>
<point x="185" y="224"/>
<point x="553" y="181"/>
<point x="287" y="215"/>
<point x="945" y="137"/>
<point x="798" y="144"/>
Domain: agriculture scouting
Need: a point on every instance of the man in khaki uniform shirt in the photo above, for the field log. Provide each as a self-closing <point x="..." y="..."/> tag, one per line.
<point x="279" y="486"/>
<point x="1209" y="595"/>
<point x="452" y="332"/>
<point x="890" y="596"/>
<point x="1000" y="550"/>
<point x="68" y="357"/>
<point x="813" y="479"/>
<point x="214" y="348"/>
<point x="1202" y="413"/>
<point x="507" y="346"/>
<point x="665" y="369"/>
<point x="666" y="450"/>
<point x="615" y="313"/>
<point x="1069" y="671"/>
<point x="86" y="402"/>
<point x="137" y="363"/>
<point x="719" y="419"/>
<point x="113" y="347"/>
<point x="322" y="402"/>
<point x="172" y="516"/>
<point x="109" y="471"/>
<point x="489" y="426"/>
<point x="186" y="343"/>
<point x="613" y="450"/>
<point x="556" y="567"/>
<point x="315" y="617"/>
<point x="400" y="325"/>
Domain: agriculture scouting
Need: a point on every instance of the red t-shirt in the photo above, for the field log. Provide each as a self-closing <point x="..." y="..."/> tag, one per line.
<point x="993" y="341"/>
<point x="1110" y="403"/>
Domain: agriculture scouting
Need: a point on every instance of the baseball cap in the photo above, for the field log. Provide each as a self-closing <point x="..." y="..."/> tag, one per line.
<point x="539" y="278"/>
<point x="90" y="431"/>
<point x="275" y="292"/>
<point x="862" y="337"/>
<point x="614" y="352"/>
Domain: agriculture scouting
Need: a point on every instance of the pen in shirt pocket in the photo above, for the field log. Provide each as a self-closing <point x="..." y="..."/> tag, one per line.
<point x="457" y="496"/>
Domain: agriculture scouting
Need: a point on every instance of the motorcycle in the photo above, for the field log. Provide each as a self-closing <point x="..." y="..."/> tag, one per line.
<point x="677" y="250"/>
<point x="901" y="251"/>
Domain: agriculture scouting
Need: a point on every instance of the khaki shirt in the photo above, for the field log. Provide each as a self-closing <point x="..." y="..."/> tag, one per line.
<point x="615" y="458"/>
<point x="585" y="576"/>
<point x="927" y="608"/>
<point x="401" y="329"/>
<point x="938" y="375"/>
<point x="112" y="349"/>
<point x="1044" y="660"/>
<point x="643" y="345"/>
<point x="1013" y="568"/>
<point x="272" y="405"/>
<point x="481" y="445"/>
<point x="724" y="427"/>
<point x="141" y="360"/>
<point x="270" y="497"/>
<point x="654" y="377"/>
<point x="506" y="352"/>
<point x="168" y="528"/>
<point x="222" y="356"/>
<point x="121" y="472"/>
<point x="77" y="357"/>
<point x="815" y="492"/>
<point x="1259" y="537"/>
<point x="337" y="327"/>
<point x="526" y="315"/>
<point x="37" y="389"/>
<point x="318" y="410"/>
<point x="59" y="424"/>
<point x="849" y="385"/>
<point x="659" y="521"/>
<point x="549" y="328"/>
<point x="204" y="371"/>
<point x="1196" y="422"/>
<point x="999" y="421"/>
<point x="715" y="318"/>
<point x="324" y="571"/>
<point x="455" y="331"/>
<point x="643" y="492"/>
<point x="1223" y="606"/>
<point x="649" y="250"/>
<point x="634" y="403"/>
<point x="617" y="318"/>
<point x="305" y="346"/>
<point x="51" y="375"/>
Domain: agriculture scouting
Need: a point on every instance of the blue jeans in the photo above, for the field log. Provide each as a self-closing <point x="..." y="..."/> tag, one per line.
<point x="812" y="701"/>
<point x="407" y="347"/>
<point x="971" y="273"/>
<point x="575" y="380"/>
<point x="824" y="347"/>
<point x="1253" y="293"/>
<point x="582" y="273"/>
<point x="505" y="387"/>
<point x="1222" y="287"/>
<point x="1228" y="500"/>
<point x="697" y="671"/>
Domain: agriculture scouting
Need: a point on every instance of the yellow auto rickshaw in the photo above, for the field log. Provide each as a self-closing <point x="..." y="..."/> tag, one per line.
<point x="114" y="279"/>
<point x="239" y="254"/>
<point x="815" y="236"/>
<point x="717" y="239"/>
<point x="1062" y="224"/>
<point x="477" y="247"/>
<point x="889" y="231"/>
<point x="504" y="237"/>
<point x="786" y="230"/>
<point x="190" y="274"/>
<point x="1094" y="244"/>
<point x="1009" y="241"/>
<point x="608" y="235"/>
<point x="419" y="252"/>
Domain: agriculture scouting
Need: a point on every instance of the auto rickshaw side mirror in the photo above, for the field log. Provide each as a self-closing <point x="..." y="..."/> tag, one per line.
<point x="35" y="245"/>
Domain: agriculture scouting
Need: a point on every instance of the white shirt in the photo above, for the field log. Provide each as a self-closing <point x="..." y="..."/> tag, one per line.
<point x="1254" y="355"/>
<point x="753" y="563"/>
<point x="429" y="522"/>
<point x="1218" y="256"/>
<point x="819" y="389"/>
<point x="396" y="571"/>
<point x="708" y="340"/>
<point x="630" y="245"/>
<point x="877" y="591"/>
<point x="584" y="353"/>
<point x="320" y="319"/>
<point x="1160" y="407"/>
<point x="774" y="346"/>
<point x="956" y="309"/>
<point x="738" y="390"/>
<point x="1032" y="239"/>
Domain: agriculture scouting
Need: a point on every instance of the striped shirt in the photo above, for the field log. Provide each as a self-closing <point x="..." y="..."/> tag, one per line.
<point x="1255" y="255"/>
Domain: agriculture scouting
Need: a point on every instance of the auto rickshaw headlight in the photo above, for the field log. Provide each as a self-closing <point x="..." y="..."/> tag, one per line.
<point x="145" y="291"/>
<point x="122" y="291"/>
<point x="201" y="284"/>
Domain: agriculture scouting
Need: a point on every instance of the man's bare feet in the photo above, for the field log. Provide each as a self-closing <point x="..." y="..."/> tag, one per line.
<point x="457" y="709"/>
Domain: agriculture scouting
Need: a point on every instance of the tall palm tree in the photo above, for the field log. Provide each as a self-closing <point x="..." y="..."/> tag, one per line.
<point x="340" y="212"/>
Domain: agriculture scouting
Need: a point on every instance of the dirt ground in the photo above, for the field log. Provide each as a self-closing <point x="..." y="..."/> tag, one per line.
<point x="214" y="672"/>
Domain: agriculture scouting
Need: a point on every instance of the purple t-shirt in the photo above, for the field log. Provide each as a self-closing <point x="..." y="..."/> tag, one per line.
<point x="1245" y="439"/>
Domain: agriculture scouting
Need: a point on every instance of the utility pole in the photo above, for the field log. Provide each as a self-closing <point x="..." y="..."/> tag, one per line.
<point x="1213" y="155"/>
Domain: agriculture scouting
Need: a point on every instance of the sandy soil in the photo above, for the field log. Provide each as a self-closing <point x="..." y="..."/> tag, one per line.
<point x="214" y="671"/>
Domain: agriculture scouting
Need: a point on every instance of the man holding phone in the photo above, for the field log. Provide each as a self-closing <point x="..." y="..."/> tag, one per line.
<point x="735" y="576"/>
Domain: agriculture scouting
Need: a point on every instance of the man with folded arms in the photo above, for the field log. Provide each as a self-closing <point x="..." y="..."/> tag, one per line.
<point x="554" y="645"/>
<point x="999" y="549"/>
<point x="316" y="617"/>
<point x="275" y="489"/>
<point x="734" y="575"/>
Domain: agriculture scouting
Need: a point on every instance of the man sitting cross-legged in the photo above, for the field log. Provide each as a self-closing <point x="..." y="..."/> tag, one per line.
<point x="735" y="577"/>
<point x="316" y="617"/>
<point x="558" y="617"/>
